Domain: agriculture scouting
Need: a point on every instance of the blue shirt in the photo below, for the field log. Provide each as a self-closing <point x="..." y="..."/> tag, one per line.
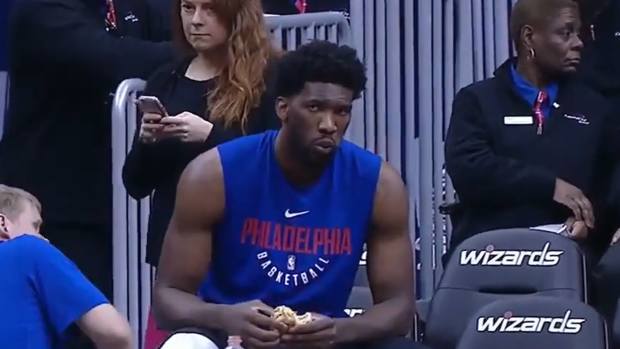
<point x="286" y="245"/>
<point x="529" y="92"/>
<point x="41" y="294"/>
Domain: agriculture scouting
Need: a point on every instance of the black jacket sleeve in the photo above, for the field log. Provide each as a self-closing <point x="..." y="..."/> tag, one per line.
<point x="140" y="173"/>
<point x="613" y="197"/>
<point x="612" y="135"/>
<point x="158" y="12"/>
<point x="69" y="33"/>
<point x="142" y="169"/>
<point x="481" y="176"/>
<point x="611" y="160"/>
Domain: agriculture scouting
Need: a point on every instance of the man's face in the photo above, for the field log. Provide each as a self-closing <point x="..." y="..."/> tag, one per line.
<point x="202" y="27"/>
<point x="317" y="119"/>
<point x="28" y="222"/>
<point x="557" y="45"/>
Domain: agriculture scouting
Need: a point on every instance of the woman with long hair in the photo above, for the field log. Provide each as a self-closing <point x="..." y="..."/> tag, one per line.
<point x="217" y="91"/>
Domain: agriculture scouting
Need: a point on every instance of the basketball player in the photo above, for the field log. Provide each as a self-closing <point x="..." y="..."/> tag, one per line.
<point x="280" y="218"/>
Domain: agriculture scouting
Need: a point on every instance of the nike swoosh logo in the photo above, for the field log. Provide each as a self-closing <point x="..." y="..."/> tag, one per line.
<point x="289" y="214"/>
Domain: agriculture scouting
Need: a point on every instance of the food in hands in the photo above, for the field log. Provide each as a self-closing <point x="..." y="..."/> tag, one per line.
<point x="289" y="317"/>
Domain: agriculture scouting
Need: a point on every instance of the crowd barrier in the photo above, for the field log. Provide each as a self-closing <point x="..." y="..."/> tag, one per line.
<point x="418" y="55"/>
<point x="132" y="276"/>
<point x="4" y="98"/>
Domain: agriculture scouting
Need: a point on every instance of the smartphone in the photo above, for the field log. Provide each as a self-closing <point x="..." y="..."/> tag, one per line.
<point x="151" y="104"/>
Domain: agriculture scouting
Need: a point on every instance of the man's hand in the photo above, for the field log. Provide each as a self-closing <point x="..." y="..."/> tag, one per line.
<point x="577" y="230"/>
<point x="573" y="198"/>
<point x="318" y="334"/>
<point x="252" y="322"/>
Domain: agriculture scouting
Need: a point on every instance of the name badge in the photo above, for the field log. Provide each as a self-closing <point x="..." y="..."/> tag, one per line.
<point x="518" y="120"/>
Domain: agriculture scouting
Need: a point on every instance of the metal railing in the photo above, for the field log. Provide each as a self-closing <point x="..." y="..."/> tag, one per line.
<point x="132" y="276"/>
<point x="4" y="98"/>
<point x="418" y="54"/>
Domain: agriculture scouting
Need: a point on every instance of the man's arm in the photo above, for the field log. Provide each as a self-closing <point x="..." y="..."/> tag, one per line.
<point x="390" y="267"/>
<point x="106" y="327"/>
<point x="186" y="253"/>
<point x="67" y="297"/>
<point x="200" y="204"/>
<point x="69" y="34"/>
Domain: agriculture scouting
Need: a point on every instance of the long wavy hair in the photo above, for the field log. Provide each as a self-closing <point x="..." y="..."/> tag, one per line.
<point x="241" y="84"/>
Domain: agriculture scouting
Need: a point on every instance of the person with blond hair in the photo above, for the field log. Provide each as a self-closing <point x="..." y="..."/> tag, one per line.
<point x="20" y="213"/>
<point x="218" y="91"/>
<point x="43" y="292"/>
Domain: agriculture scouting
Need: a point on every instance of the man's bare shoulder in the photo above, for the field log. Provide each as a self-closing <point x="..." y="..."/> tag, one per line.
<point x="390" y="182"/>
<point x="202" y="178"/>
<point x="206" y="168"/>
<point x="391" y="200"/>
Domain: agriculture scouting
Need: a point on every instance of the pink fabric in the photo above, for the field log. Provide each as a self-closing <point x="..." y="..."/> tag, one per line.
<point x="301" y="5"/>
<point x="153" y="337"/>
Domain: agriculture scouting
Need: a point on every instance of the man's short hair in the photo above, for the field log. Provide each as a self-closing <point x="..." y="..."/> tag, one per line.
<point x="13" y="201"/>
<point x="320" y="61"/>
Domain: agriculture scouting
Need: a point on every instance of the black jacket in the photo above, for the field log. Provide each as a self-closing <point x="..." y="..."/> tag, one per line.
<point x="601" y="57"/>
<point x="287" y="7"/>
<point x="157" y="167"/>
<point x="5" y="7"/>
<point x="505" y="174"/>
<point x="63" y="66"/>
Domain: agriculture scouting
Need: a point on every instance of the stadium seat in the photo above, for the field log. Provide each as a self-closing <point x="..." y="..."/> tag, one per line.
<point x="615" y="327"/>
<point x="502" y="264"/>
<point x="360" y="298"/>
<point x="535" y="322"/>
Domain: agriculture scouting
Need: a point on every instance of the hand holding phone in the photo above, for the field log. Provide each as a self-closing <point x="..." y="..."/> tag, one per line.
<point x="151" y="105"/>
<point x="186" y="127"/>
<point x="153" y="112"/>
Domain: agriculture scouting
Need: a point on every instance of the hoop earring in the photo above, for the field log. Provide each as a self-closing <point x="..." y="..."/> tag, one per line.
<point x="532" y="53"/>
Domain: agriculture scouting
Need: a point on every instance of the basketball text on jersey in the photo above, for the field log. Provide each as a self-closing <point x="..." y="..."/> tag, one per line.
<point x="273" y="237"/>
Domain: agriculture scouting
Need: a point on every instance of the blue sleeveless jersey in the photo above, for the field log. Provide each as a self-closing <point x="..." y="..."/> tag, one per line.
<point x="287" y="245"/>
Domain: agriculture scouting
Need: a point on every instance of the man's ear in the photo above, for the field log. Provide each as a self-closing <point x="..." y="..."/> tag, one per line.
<point x="4" y="228"/>
<point x="4" y="224"/>
<point x="282" y="104"/>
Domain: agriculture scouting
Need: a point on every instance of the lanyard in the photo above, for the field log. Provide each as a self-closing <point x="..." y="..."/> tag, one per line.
<point x="538" y="112"/>
<point x="302" y="5"/>
<point x="110" y="16"/>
